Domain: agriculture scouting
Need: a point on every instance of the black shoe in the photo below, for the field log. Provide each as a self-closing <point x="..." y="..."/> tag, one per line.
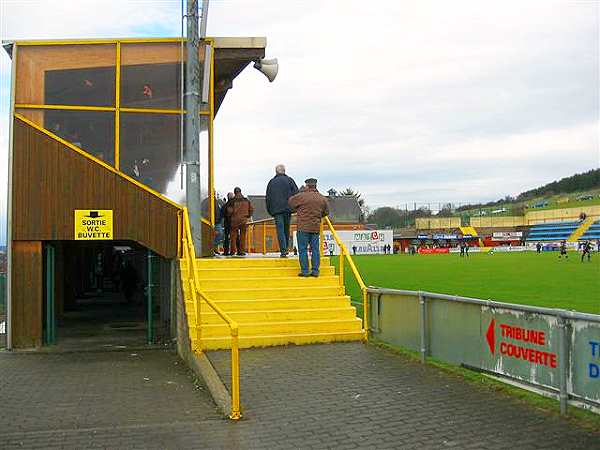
<point x="241" y="254"/>
<point x="305" y="275"/>
<point x="283" y="255"/>
<point x="314" y="274"/>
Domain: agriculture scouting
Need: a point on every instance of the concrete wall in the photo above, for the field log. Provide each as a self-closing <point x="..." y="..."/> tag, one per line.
<point x="435" y="223"/>
<point x="497" y="222"/>
<point x="563" y="214"/>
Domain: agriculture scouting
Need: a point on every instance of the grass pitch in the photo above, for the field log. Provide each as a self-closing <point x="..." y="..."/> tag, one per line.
<point x="523" y="277"/>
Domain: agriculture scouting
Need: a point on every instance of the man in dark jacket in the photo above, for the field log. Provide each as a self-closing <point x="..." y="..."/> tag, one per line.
<point x="310" y="208"/>
<point x="279" y="190"/>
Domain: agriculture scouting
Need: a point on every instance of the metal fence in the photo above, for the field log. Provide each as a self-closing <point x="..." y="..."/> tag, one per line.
<point x="553" y="349"/>
<point x="3" y="324"/>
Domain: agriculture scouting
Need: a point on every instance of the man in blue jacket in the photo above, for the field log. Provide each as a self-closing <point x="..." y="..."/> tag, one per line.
<point x="279" y="190"/>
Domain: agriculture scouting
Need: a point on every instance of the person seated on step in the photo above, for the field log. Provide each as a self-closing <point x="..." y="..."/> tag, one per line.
<point x="310" y="207"/>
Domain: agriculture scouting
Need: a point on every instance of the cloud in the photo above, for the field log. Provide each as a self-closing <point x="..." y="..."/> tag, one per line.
<point x="426" y="100"/>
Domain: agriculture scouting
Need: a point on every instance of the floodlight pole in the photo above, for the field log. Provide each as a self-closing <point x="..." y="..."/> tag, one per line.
<point x="192" y="119"/>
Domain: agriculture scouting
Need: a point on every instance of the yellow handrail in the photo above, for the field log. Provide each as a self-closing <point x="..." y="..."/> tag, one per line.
<point x="344" y="254"/>
<point x="189" y="255"/>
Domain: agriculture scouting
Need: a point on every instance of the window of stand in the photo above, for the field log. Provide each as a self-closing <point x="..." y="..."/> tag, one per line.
<point x="91" y="131"/>
<point x="150" y="150"/>
<point x="75" y="75"/>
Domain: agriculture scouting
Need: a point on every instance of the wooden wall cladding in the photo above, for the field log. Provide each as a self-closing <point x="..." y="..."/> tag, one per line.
<point x="50" y="181"/>
<point x="27" y="295"/>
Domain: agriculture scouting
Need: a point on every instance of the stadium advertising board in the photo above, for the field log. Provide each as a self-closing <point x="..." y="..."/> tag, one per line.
<point x="361" y="242"/>
<point x="585" y="362"/>
<point x="520" y="345"/>
<point x="447" y="237"/>
<point x="433" y="251"/>
<point x="507" y="236"/>
<point x="552" y="349"/>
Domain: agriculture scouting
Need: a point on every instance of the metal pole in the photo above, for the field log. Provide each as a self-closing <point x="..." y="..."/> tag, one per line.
<point x="321" y="238"/>
<point x="563" y="365"/>
<point x="150" y="331"/>
<point x="9" y="191"/>
<point x="235" y="376"/>
<point x="423" y="303"/>
<point x="192" y="125"/>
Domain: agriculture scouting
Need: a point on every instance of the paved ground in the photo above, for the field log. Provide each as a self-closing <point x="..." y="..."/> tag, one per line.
<point x="323" y="396"/>
<point x="144" y="399"/>
<point x="357" y="396"/>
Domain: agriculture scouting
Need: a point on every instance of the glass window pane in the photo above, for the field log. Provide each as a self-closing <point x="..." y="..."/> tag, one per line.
<point x="150" y="151"/>
<point x="92" y="131"/>
<point x="82" y="75"/>
<point x="151" y="75"/>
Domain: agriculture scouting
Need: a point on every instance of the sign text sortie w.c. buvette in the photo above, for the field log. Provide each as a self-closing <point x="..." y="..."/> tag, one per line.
<point x="93" y="225"/>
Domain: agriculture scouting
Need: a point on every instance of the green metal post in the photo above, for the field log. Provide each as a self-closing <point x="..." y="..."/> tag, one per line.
<point x="150" y="330"/>
<point x="563" y="365"/>
<point x="423" y="326"/>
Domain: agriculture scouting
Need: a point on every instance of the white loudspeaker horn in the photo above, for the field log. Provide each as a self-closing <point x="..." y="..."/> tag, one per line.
<point x="268" y="67"/>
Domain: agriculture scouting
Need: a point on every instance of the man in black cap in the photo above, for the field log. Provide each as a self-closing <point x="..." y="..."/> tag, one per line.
<point x="310" y="208"/>
<point x="279" y="190"/>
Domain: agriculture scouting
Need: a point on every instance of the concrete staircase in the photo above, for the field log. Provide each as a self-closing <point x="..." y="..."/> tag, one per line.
<point x="272" y="305"/>
<point x="581" y="229"/>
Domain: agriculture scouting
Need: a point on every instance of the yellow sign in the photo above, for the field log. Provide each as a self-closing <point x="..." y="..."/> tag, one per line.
<point x="93" y="224"/>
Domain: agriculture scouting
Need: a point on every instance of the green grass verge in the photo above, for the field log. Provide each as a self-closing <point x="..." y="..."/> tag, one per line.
<point x="524" y="278"/>
<point x="580" y="417"/>
<point x="569" y="204"/>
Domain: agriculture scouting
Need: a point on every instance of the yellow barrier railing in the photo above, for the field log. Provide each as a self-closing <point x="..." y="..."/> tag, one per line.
<point x="189" y="255"/>
<point x="345" y="255"/>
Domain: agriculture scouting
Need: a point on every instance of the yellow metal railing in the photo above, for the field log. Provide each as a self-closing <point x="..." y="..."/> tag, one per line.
<point x="345" y="256"/>
<point x="189" y="256"/>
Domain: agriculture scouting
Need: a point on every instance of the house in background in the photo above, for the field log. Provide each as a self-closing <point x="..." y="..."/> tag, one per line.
<point x="344" y="213"/>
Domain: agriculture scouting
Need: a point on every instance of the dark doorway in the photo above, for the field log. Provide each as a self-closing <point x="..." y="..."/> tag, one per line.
<point x="107" y="295"/>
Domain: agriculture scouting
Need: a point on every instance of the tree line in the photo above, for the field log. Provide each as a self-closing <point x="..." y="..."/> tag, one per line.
<point x="387" y="216"/>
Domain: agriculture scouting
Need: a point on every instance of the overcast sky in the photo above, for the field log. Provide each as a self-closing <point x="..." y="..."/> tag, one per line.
<point x="405" y="101"/>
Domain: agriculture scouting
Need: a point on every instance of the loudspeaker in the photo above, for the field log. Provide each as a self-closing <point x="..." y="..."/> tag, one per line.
<point x="268" y="67"/>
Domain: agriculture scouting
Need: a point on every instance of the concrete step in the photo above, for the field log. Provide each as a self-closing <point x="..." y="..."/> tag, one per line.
<point x="219" y="343"/>
<point x="295" y="327"/>
<point x="248" y="262"/>
<point x="256" y="272"/>
<point x="307" y="291"/>
<point x="271" y="304"/>
<point x="272" y="282"/>
<point x="281" y="315"/>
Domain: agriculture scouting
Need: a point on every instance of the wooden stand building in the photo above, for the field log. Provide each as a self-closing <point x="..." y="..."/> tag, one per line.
<point x="95" y="182"/>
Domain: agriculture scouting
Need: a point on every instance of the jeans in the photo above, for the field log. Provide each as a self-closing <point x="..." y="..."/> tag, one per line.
<point x="219" y="231"/>
<point x="282" y="225"/>
<point x="305" y="239"/>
